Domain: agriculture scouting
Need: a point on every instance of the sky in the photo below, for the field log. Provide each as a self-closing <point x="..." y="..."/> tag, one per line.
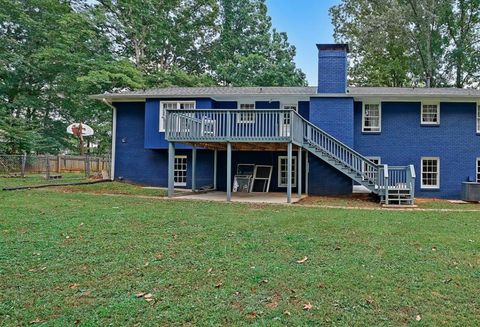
<point x="307" y="23"/>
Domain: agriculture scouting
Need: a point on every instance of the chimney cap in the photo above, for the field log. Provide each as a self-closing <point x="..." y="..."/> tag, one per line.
<point x="333" y="46"/>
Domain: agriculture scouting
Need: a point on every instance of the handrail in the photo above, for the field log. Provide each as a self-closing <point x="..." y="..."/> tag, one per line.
<point x="284" y="125"/>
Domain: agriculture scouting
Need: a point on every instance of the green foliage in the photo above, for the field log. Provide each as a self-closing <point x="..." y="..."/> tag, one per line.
<point x="54" y="54"/>
<point x="404" y="42"/>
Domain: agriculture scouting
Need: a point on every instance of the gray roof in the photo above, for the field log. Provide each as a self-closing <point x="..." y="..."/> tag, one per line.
<point x="289" y="91"/>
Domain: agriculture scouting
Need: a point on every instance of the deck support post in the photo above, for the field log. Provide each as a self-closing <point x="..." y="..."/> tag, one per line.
<point x="299" y="169"/>
<point x="306" y="172"/>
<point x="171" y="164"/>
<point x="289" y="172"/>
<point x="215" y="158"/>
<point x="194" y="168"/>
<point x="229" y="171"/>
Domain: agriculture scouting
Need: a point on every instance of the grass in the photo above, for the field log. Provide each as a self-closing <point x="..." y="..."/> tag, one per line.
<point x="72" y="258"/>
<point x="39" y="179"/>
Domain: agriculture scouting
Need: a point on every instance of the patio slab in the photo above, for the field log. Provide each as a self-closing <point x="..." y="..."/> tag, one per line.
<point x="255" y="197"/>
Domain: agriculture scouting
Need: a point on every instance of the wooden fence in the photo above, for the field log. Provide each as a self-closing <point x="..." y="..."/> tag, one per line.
<point x="31" y="164"/>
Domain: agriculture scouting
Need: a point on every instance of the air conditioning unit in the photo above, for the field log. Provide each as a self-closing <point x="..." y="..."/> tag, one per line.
<point x="471" y="191"/>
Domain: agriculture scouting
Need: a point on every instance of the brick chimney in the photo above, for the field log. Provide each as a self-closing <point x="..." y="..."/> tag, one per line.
<point x="332" y="68"/>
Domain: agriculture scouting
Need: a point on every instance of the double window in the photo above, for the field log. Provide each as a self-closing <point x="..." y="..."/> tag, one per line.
<point x="180" y="171"/>
<point x="283" y="171"/>
<point x="430" y="172"/>
<point x="430" y="114"/>
<point x="371" y="118"/>
<point x="478" y="170"/>
<point x="169" y="105"/>
<point x="368" y="170"/>
<point x="246" y="117"/>
<point x="478" y="117"/>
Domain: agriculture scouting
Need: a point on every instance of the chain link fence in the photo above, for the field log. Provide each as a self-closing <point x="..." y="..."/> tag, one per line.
<point x="23" y="170"/>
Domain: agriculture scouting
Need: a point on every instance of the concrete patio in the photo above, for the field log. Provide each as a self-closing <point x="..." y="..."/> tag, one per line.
<point x="270" y="197"/>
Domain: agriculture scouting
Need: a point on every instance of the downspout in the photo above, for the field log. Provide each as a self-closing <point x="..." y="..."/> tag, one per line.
<point x="114" y="137"/>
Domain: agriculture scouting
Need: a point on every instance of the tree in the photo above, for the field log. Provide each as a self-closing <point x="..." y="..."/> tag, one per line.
<point x="248" y="51"/>
<point x="401" y="42"/>
<point x="48" y="52"/>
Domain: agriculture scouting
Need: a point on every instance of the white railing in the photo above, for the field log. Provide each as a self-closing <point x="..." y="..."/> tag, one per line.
<point x="276" y="125"/>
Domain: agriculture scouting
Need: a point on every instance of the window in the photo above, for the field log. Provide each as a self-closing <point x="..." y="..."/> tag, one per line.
<point x="371" y="117"/>
<point x="180" y="171"/>
<point x="368" y="172"/>
<point x="478" y="117"/>
<point x="283" y="171"/>
<point x="246" y="117"/>
<point x="169" y="105"/>
<point x="430" y="172"/>
<point x="478" y="170"/>
<point x="430" y="114"/>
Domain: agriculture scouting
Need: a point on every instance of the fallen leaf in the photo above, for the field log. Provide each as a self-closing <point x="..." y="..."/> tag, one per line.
<point x="302" y="260"/>
<point x="149" y="300"/>
<point x="209" y="270"/>
<point x="81" y="224"/>
<point x="265" y="281"/>
<point x="448" y="280"/>
<point x="36" y="321"/>
<point x="418" y="318"/>
<point x="67" y="237"/>
<point x="159" y="257"/>
<point x="287" y="313"/>
<point x="252" y="315"/>
<point x="140" y="294"/>
<point x="434" y="248"/>
<point x="148" y="296"/>
<point x="77" y="322"/>
<point x="43" y="268"/>
<point x="218" y="285"/>
<point x="146" y="264"/>
<point x="322" y="285"/>
<point x="307" y="306"/>
<point x="75" y="285"/>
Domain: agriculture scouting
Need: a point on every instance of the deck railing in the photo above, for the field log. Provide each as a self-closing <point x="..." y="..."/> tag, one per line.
<point x="276" y="125"/>
<point x="219" y="125"/>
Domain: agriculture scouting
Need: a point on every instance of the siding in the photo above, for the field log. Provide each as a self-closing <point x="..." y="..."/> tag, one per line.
<point x="404" y="141"/>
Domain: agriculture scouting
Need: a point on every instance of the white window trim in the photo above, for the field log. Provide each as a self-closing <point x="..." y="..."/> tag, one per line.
<point x="477" y="172"/>
<point x="379" y="116"/>
<point x="431" y="187"/>
<point x="186" y="170"/>
<point x="161" y="123"/>
<point x="438" y="113"/>
<point x="294" y="171"/>
<point x="239" y="115"/>
<point x="478" y="117"/>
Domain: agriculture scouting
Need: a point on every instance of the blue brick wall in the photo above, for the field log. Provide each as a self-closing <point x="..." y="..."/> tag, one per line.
<point x="334" y="116"/>
<point x="332" y="71"/>
<point x="136" y="164"/>
<point x="323" y="179"/>
<point x="304" y="109"/>
<point x="403" y="140"/>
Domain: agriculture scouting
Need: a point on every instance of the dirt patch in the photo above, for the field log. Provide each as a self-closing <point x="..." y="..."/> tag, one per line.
<point x="351" y="200"/>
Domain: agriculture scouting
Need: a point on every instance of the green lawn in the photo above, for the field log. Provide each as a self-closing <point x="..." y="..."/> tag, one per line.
<point x="69" y="258"/>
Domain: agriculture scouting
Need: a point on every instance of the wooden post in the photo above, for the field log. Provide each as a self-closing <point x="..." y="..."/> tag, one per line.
<point x="299" y="168"/>
<point x="215" y="158"/>
<point x="289" y="173"/>
<point x="194" y="168"/>
<point x="59" y="170"/>
<point x="47" y="167"/>
<point x="171" y="164"/>
<point x="307" y="168"/>
<point x="23" y="163"/>
<point x="87" y="166"/>
<point x="229" y="171"/>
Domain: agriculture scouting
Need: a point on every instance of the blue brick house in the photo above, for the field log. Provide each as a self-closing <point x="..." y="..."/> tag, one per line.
<point x="395" y="142"/>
